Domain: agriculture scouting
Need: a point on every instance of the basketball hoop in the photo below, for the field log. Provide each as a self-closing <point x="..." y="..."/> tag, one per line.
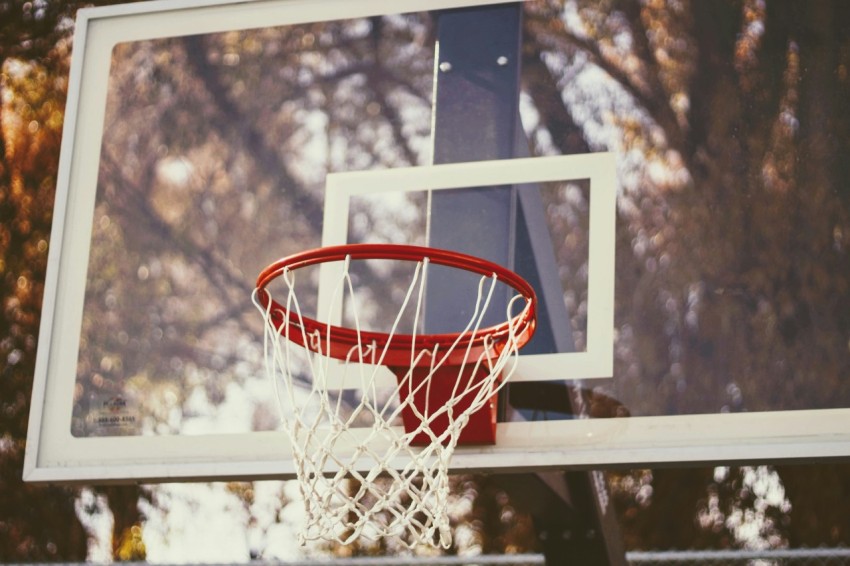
<point x="389" y="480"/>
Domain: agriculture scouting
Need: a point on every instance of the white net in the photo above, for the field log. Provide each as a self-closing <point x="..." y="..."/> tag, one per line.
<point x="359" y="472"/>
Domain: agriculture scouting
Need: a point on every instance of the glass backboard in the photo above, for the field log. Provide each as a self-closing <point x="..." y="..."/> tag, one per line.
<point x="204" y="140"/>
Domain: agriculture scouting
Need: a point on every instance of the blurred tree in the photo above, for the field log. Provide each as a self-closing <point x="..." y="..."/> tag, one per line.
<point x="38" y="523"/>
<point x="817" y="495"/>
<point x="733" y="267"/>
<point x="735" y="271"/>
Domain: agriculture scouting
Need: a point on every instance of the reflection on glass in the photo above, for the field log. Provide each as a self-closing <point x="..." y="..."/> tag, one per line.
<point x="733" y="275"/>
<point x="214" y="155"/>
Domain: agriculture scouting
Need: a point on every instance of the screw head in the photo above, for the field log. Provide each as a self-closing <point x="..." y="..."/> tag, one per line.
<point x="502" y="61"/>
<point x="445" y="66"/>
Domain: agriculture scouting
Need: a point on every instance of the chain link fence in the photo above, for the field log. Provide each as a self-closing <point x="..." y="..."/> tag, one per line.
<point x="774" y="557"/>
<point x="480" y="560"/>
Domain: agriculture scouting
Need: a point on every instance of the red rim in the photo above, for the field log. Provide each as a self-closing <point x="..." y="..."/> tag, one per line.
<point x="342" y="339"/>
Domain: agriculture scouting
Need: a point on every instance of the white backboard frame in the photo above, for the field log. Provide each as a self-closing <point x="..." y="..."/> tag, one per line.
<point x="54" y="455"/>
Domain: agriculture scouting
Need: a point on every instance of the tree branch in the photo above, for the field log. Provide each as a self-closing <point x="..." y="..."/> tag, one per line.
<point x="232" y="120"/>
<point x="656" y="106"/>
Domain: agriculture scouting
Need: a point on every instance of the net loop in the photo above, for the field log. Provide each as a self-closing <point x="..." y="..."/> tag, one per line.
<point x="360" y="473"/>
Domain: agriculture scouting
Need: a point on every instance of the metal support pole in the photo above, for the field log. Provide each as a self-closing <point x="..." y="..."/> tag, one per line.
<point x="475" y="102"/>
<point x="476" y="117"/>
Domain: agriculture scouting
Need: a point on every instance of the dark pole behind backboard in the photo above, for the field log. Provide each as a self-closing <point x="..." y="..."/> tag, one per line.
<point x="476" y="117"/>
<point x="476" y="78"/>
